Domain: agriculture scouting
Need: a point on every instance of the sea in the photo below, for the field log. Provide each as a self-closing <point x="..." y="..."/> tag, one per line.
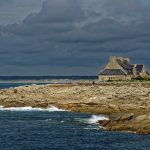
<point x="28" y="128"/>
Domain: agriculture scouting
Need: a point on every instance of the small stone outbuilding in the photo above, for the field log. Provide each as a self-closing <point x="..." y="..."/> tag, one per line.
<point x="120" y="68"/>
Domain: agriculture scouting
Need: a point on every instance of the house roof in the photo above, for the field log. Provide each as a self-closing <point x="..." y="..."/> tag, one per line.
<point x="125" y="65"/>
<point x="112" y="72"/>
<point x="121" y="66"/>
<point x="139" y="68"/>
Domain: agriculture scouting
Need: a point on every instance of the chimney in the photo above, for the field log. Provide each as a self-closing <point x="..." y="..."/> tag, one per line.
<point x="134" y="70"/>
<point x="112" y="59"/>
<point x="126" y="59"/>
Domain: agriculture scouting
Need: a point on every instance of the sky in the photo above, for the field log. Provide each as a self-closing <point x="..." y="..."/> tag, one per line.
<point x="71" y="37"/>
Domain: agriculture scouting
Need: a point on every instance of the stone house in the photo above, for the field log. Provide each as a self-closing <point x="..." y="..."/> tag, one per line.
<point x="120" y="68"/>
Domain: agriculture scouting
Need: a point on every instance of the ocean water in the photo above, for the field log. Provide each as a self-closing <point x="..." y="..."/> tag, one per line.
<point x="53" y="129"/>
<point x="13" y="81"/>
<point x="17" y="78"/>
<point x="37" y="129"/>
<point x="12" y="85"/>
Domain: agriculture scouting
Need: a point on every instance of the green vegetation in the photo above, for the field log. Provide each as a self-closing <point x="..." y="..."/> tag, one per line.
<point x="139" y="78"/>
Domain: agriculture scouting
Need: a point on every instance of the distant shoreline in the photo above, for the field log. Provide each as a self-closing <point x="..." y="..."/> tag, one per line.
<point x="45" y="79"/>
<point x="75" y="81"/>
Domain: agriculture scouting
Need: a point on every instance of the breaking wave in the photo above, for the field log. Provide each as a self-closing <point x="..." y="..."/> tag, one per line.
<point x="49" y="109"/>
<point x="95" y="118"/>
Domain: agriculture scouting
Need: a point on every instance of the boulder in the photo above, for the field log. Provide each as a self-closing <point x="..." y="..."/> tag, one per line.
<point x="15" y="91"/>
<point x="126" y="117"/>
<point x="104" y="122"/>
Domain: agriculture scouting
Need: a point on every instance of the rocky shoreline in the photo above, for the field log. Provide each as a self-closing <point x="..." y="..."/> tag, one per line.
<point x="127" y="105"/>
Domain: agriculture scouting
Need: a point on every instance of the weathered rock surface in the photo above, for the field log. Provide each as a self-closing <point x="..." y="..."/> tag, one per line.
<point x="128" y="122"/>
<point x="126" y="117"/>
<point x="127" y="105"/>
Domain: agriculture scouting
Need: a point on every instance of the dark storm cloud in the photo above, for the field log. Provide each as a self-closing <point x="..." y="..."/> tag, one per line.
<point x="12" y="11"/>
<point x="75" y="33"/>
<point x="4" y="2"/>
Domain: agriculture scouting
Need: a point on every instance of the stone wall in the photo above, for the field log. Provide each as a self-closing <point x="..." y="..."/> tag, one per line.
<point x="144" y="72"/>
<point x="114" y="77"/>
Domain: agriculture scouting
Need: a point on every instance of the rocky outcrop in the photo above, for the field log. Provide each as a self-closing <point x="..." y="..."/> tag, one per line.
<point x="129" y="123"/>
<point x="126" y="117"/>
<point x="128" y="105"/>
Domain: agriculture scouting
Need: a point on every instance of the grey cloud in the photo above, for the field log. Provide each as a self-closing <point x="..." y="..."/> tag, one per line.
<point x="57" y="11"/>
<point x="5" y="2"/>
<point x="14" y="11"/>
<point x="72" y="33"/>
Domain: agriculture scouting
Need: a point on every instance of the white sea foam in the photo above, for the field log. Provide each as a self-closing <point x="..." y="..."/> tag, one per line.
<point x="95" y="118"/>
<point x="53" y="108"/>
<point x="48" y="120"/>
<point x="49" y="109"/>
<point x="92" y="128"/>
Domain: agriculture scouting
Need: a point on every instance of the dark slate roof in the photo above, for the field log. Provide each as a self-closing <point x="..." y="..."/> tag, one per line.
<point x="112" y="72"/>
<point x="139" y="68"/>
<point x="125" y="65"/>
